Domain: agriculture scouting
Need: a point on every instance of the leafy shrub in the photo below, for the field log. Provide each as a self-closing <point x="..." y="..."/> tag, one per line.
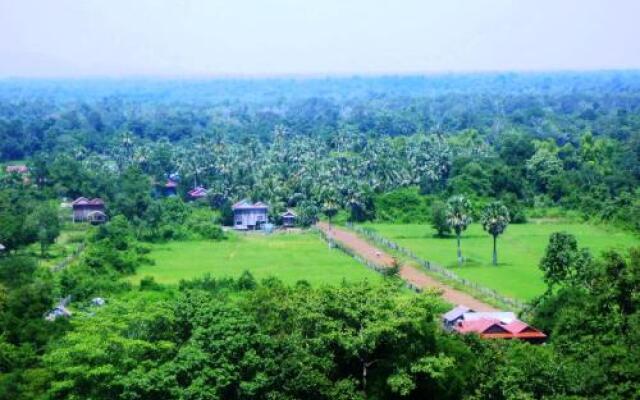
<point x="149" y="283"/>
<point x="75" y="237"/>
<point x="404" y="205"/>
<point x="439" y="218"/>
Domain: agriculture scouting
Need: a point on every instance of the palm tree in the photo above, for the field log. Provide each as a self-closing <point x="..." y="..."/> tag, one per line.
<point x="458" y="209"/>
<point x="494" y="220"/>
<point x="330" y="209"/>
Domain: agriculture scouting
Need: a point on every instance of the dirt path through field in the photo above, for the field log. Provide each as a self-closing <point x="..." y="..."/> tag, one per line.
<point x="408" y="273"/>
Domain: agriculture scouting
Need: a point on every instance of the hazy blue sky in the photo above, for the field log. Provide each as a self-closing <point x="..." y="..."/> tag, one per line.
<point x="248" y="37"/>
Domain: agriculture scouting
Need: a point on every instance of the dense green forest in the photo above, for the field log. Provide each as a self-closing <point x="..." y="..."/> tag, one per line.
<point x="388" y="149"/>
<point x="565" y="140"/>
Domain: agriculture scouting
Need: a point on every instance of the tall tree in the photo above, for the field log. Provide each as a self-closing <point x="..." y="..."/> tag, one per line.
<point x="44" y="222"/>
<point x="458" y="210"/>
<point x="330" y="209"/>
<point x="494" y="220"/>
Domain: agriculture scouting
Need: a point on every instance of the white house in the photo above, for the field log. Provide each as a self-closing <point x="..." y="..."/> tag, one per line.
<point x="247" y="216"/>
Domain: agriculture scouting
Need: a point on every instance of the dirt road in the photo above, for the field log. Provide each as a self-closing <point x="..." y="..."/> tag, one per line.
<point x="408" y="273"/>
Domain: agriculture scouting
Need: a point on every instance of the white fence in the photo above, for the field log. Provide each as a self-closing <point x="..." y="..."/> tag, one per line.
<point x="437" y="269"/>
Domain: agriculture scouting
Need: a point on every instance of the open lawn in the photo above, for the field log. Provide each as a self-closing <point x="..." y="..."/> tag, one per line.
<point x="288" y="256"/>
<point x="520" y="249"/>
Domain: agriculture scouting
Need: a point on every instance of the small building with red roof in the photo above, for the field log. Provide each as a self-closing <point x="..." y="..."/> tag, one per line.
<point x="491" y="325"/>
<point x="197" y="193"/>
<point x="488" y="328"/>
<point x="170" y="187"/>
<point x="89" y="210"/>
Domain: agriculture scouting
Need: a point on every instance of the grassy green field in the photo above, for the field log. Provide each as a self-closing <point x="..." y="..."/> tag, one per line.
<point x="288" y="256"/>
<point x="520" y="249"/>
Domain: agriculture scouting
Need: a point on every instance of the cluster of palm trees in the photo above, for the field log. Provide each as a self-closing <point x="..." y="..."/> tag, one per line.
<point x="345" y="168"/>
<point x="494" y="219"/>
<point x="341" y="171"/>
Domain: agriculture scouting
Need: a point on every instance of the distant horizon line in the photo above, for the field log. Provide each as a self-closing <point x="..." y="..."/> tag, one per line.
<point x="310" y="75"/>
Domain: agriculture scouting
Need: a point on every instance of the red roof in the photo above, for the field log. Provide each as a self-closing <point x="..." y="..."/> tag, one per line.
<point x="171" y="184"/>
<point x="21" y="169"/>
<point x="494" y="329"/>
<point x="198" y="192"/>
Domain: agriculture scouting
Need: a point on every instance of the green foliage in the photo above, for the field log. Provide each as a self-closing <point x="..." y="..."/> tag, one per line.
<point x="459" y="213"/>
<point x="133" y="196"/>
<point x="308" y="213"/>
<point x="439" y="220"/>
<point x="593" y="317"/>
<point x="545" y="145"/>
<point x="562" y="261"/>
<point x="15" y="232"/>
<point x="404" y="205"/>
<point x="113" y="247"/>
<point x="544" y="167"/>
<point x="494" y="220"/>
<point x="272" y="342"/>
<point x="330" y="209"/>
<point x="44" y="220"/>
<point x="459" y="217"/>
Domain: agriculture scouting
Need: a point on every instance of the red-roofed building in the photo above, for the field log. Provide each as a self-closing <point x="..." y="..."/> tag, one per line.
<point x="489" y="328"/>
<point x="197" y="193"/>
<point x="170" y="187"/>
<point x="89" y="210"/>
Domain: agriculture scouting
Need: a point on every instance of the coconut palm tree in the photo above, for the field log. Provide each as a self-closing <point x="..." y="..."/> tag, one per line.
<point x="458" y="210"/>
<point x="494" y="220"/>
<point x="330" y="209"/>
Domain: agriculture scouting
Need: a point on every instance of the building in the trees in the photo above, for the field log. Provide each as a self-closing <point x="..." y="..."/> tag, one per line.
<point x="451" y="318"/>
<point x="59" y="311"/>
<point x="491" y="325"/>
<point x="197" y="193"/>
<point x="288" y="219"/>
<point x="170" y="188"/>
<point x="85" y="210"/>
<point x="247" y="216"/>
<point x="17" y="169"/>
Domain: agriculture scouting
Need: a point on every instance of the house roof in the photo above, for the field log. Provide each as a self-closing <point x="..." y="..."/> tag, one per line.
<point x="491" y="328"/>
<point x="171" y="184"/>
<point x="480" y="326"/>
<point x="83" y="201"/>
<point x="198" y="192"/>
<point x="2" y="248"/>
<point x="21" y="169"/>
<point x="502" y="316"/>
<point x="289" y="213"/>
<point x="246" y="205"/>
<point x="456" y="312"/>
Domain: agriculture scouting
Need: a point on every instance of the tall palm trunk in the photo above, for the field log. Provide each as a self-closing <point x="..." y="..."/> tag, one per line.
<point x="495" y="250"/>
<point x="459" y="248"/>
